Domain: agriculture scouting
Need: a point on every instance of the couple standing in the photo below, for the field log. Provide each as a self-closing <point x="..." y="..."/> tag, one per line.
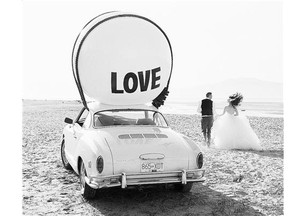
<point x="230" y="130"/>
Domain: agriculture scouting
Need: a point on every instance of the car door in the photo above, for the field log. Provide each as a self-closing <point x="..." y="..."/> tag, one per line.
<point x="77" y="131"/>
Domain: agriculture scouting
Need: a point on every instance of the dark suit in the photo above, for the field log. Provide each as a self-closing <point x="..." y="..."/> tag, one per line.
<point x="207" y="118"/>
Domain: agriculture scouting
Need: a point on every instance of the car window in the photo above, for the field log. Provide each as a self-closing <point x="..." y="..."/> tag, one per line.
<point x="158" y="119"/>
<point x="129" y="117"/>
<point x="87" y="121"/>
<point x="82" y="117"/>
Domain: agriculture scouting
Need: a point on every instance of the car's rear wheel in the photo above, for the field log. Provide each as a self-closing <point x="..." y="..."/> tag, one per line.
<point x="183" y="187"/>
<point x="63" y="156"/>
<point x="86" y="191"/>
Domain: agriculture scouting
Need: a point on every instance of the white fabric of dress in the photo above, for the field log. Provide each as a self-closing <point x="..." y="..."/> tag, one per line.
<point x="234" y="132"/>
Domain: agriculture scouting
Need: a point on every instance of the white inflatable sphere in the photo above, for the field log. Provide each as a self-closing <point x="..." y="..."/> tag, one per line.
<point x="122" y="58"/>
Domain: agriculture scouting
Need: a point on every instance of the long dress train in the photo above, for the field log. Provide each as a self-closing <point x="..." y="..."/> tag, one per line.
<point x="234" y="132"/>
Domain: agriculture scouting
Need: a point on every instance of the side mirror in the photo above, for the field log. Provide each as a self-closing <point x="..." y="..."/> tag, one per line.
<point x="68" y="120"/>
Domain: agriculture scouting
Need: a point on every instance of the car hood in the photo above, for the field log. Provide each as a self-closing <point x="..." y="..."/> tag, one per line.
<point x="130" y="148"/>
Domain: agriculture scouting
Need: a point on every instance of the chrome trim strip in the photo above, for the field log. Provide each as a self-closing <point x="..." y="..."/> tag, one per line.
<point x="152" y="156"/>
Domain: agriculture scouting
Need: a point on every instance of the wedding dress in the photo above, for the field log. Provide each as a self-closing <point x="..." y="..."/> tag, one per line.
<point x="234" y="132"/>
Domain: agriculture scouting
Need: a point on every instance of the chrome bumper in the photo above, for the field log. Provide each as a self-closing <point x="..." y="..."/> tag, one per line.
<point x="125" y="180"/>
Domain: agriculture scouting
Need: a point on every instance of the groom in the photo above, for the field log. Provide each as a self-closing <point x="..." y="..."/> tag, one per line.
<point x="207" y="111"/>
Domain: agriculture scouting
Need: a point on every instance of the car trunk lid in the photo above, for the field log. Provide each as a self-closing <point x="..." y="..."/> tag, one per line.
<point x="154" y="149"/>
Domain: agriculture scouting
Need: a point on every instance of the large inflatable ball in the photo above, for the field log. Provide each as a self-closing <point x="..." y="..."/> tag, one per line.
<point x="122" y="58"/>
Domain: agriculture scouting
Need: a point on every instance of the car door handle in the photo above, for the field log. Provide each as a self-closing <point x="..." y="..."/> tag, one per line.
<point x="74" y="134"/>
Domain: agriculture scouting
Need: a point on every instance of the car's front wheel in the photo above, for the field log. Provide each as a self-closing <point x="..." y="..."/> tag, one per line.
<point x="86" y="191"/>
<point x="183" y="187"/>
<point x="63" y="156"/>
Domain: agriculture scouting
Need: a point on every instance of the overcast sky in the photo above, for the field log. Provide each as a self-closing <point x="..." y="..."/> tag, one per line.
<point x="211" y="41"/>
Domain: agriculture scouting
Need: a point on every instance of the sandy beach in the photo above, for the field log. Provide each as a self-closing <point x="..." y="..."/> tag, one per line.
<point x="49" y="189"/>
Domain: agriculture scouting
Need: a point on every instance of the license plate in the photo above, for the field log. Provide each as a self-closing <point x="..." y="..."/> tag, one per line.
<point x="152" y="167"/>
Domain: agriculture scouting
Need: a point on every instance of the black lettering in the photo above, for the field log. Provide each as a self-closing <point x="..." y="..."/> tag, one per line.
<point x="114" y="84"/>
<point x="144" y="84"/>
<point x="155" y="78"/>
<point x="134" y="83"/>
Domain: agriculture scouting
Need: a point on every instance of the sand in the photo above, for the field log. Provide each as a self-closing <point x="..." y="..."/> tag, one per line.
<point x="49" y="189"/>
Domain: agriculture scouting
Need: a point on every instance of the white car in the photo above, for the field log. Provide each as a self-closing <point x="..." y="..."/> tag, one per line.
<point x="123" y="61"/>
<point x="128" y="146"/>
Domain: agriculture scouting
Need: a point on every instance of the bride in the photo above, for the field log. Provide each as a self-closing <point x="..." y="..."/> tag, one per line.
<point x="233" y="131"/>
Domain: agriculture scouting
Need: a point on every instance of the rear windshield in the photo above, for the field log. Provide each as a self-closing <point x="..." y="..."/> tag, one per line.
<point x="129" y="117"/>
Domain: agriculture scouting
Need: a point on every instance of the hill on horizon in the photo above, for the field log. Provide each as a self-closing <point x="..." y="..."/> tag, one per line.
<point x="252" y="90"/>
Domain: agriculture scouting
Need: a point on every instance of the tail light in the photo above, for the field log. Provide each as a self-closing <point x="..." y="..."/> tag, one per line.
<point x="100" y="164"/>
<point x="199" y="160"/>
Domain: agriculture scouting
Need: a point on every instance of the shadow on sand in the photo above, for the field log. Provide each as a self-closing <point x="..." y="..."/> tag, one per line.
<point x="160" y="200"/>
<point x="267" y="153"/>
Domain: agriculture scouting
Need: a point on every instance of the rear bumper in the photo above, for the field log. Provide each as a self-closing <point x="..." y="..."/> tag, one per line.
<point x="125" y="180"/>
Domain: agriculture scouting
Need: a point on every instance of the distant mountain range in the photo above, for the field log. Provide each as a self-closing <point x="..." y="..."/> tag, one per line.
<point x="253" y="90"/>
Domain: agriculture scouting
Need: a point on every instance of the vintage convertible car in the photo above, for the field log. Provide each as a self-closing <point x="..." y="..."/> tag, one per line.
<point x="128" y="146"/>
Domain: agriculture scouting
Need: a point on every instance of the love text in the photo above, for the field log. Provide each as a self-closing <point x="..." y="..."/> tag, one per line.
<point x="141" y="80"/>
